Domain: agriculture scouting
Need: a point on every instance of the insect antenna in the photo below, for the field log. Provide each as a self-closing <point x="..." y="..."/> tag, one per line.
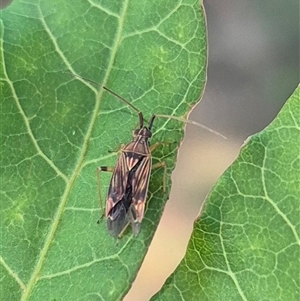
<point x="151" y="122"/>
<point x="128" y="103"/>
<point x="191" y="122"/>
<point x="141" y="118"/>
<point x="114" y="94"/>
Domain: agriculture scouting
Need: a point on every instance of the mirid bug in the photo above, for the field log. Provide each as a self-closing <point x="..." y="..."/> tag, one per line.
<point x="128" y="188"/>
<point x="127" y="192"/>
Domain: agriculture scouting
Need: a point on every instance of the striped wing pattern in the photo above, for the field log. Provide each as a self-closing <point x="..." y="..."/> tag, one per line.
<point x="128" y="188"/>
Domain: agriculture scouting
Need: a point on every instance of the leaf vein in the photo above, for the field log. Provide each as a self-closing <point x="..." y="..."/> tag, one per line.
<point x="12" y="273"/>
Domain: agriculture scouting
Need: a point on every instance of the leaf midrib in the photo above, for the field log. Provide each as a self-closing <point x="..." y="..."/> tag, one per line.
<point x="78" y="166"/>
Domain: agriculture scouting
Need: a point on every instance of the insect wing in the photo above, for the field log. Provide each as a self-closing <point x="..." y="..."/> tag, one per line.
<point x="128" y="187"/>
<point x="140" y="183"/>
<point x="130" y="208"/>
<point x="118" y="217"/>
<point x="118" y="184"/>
<point x="117" y="220"/>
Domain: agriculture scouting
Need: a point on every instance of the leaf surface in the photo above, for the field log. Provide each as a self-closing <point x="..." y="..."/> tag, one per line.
<point x="56" y="130"/>
<point x="246" y="243"/>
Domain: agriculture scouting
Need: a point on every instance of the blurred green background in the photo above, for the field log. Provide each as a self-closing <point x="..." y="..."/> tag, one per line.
<point x="253" y="68"/>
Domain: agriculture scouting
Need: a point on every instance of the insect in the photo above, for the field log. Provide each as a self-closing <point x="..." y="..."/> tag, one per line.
<point x="127" y="192"/>
<point x="128" y="188"/>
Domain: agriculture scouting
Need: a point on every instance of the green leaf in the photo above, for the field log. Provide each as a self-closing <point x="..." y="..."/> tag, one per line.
<point x="246" y="244"/>
<point x="56" y="130"/>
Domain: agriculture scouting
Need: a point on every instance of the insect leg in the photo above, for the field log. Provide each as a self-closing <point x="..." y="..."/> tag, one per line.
<point x="98" y="170"/>
<point x="164" y="165"/>
<point x="121" y="146"/>
<point x="154" y="146"/>
<point x="122" y="232"/>
<point x="160" y="164"/>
